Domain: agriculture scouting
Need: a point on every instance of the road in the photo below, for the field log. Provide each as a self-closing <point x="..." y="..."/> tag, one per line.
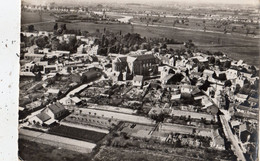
<point x="231" y="138"/>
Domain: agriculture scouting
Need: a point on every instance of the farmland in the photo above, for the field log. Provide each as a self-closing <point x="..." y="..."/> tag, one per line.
<point x="32" y="151"/>
<point x="76" y="133"/>
<point x="34" y="17"/>
<point x="118" y="154"/>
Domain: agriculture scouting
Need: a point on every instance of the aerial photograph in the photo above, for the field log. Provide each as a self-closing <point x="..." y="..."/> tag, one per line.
<point x="139" y="80"/>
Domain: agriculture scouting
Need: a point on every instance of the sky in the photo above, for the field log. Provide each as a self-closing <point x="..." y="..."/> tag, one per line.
<point x="253" y="2"/>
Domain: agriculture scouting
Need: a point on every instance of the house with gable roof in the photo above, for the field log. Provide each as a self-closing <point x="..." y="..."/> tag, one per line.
<point x="55" y="111"/>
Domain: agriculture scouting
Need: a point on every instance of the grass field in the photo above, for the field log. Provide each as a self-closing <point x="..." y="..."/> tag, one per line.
<point x="32" y="151"/>
<point x="32" y="17"/>
<point x="76" y="133"/>
<point x="120" y="154"/>
<point x="235" y="46"/>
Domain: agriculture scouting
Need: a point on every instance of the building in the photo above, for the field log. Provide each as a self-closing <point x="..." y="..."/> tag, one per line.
<point x="55" y="111"/>
<point x="39" y="118"/>
<point x="138" y="80"/>
<point x="136" y="64"/>
<point x="70" y="101"/>
<point x="232" y="74"/>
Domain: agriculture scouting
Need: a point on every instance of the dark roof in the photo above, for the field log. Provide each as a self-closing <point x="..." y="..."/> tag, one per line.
<point x="144" y="56"/>
<point x="43" y="116"/>
<point x="91" y="73"/>
<point x="56" y="108"/>
<point x="246" y="108"/>
<point x="169" y="76"/>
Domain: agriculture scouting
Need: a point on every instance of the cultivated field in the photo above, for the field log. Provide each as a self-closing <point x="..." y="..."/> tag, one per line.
<point x="34" y="17"/>
<point x="76" y="133"/>
<point x="32" y="151"/>
<point x="118" y="154"/>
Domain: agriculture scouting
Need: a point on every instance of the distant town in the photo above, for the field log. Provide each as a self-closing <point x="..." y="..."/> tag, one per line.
<point x="114" y="95"/>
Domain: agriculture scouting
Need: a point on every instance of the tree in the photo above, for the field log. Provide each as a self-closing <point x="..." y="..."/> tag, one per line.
<point x="217" y="62"/>
<point x="64" y="27"/>
<point x="228" y="83"/>
<point x="41" y="42"/>
<point x="55" y="28"/>
<point x="212" y="60"/>
<point x="227" y="64"/>
<point x="237" y="89"/>
<point x="31" y="28"/>
<point x="38" y="76"/>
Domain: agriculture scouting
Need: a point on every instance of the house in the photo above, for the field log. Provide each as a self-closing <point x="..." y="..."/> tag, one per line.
<point x="244" y="132"/>
<point x="39" y="118"/>
<point x="240" y="80"/>
<point x="33" y="105"/>
<point x="52" y="68"/>
<point x="167" y="59"/>
<point x="55" y="111"/>
<point x="176" y="96"/>
<point x="136" y="64"/>
<point x="165" y="70"/>
<point x="166" y="79"/>
<point x="138" y="80"/>
<point x="186" y="89"/>
<point x="116" y="76"/>
<point x="52" y="91"/>
<point x="27" y="76"/>
<point x="172" y="78"/>
<point x="70" y="101"/>
<point x="240" y="97"/>
<point x="232" y="73"/>
<point x="207" y="73"/>
<point x="252" y="101"/>
<point x="90" y="75"/>
<point x="246" y="109"/>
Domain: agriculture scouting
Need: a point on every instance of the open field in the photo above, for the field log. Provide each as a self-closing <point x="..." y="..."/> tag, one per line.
<point x="34" y="151"/>
<point x="76" y="133"/>
<point x="235" y="46"/>
<point x="33" y="17"/>
<point x="119" y="154"/>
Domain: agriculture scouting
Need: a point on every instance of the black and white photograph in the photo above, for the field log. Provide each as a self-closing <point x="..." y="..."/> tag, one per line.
<point x="138" y="80"/>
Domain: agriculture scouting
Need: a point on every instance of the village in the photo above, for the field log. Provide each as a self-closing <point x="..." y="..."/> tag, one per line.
<point x="77" y="90"/>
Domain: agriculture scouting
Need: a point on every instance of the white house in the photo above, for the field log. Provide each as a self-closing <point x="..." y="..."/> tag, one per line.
<point x="232" y="74"/>
<point x="241" y="97"/>
<point x="138" y="80"/>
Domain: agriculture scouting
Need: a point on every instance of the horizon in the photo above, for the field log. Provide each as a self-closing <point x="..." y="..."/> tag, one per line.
<point x="81" y="2"/>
